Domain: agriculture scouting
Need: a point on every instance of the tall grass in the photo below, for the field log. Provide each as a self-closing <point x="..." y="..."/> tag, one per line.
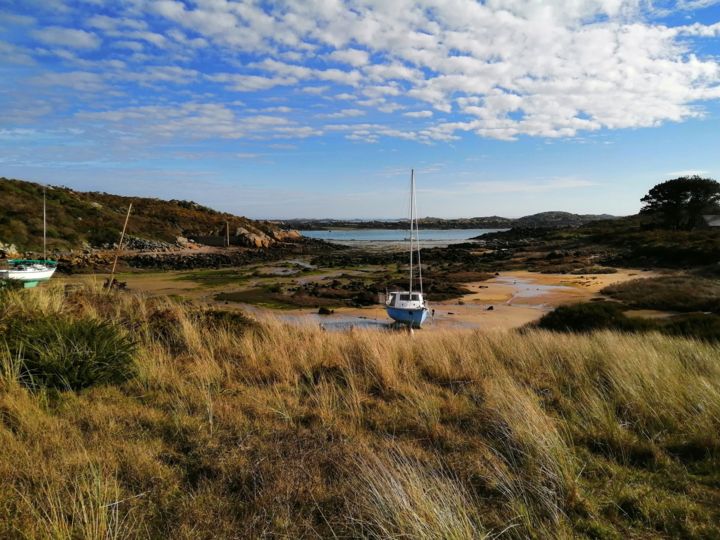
<point x="250" y="428"/>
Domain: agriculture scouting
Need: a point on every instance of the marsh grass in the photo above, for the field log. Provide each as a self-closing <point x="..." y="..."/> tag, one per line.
<point x="233" y="427"/>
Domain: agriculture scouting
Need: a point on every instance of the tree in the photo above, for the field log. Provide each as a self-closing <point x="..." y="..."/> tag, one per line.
<point x="682" y="202"/>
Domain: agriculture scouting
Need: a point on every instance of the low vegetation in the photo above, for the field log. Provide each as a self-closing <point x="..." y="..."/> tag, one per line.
<point x="591" y="316"/>
<point x="672" y="293"/>
<point x="230" y="427"/>
<point x="588" y="317"/>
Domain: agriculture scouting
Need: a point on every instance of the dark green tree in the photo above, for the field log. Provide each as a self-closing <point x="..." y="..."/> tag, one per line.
<point x="682" y="202"/>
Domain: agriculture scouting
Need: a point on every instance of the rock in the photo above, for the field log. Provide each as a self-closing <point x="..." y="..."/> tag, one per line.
<point x="7" y="250"/>
<point x="182" y="241"/>
<point x="256" y="239"/>
<point x="286" y="235"/>
<point x="143" y="244"/>
<point x="325" y="311"/>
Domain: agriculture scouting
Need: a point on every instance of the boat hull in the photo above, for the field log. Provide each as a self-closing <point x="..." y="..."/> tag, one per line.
<point x="410" y="317"/>
<point x="30" y="275"/>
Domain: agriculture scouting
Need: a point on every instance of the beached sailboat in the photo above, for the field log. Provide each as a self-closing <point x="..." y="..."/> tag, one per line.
<point x="30" y="272"/>
<point x="409" y="307"/>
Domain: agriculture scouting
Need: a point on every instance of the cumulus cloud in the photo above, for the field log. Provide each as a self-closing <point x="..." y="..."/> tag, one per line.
<point x="67" y="37"/>
<point x="196" y="121"/>
<point x="354" y="57"/>
<point x="344" y="113"/>
<point x="497" y="69"/>
<point x="418" y="114"/>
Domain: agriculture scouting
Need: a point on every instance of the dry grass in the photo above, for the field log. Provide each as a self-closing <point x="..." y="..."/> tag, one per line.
<point x="235" y="429"/>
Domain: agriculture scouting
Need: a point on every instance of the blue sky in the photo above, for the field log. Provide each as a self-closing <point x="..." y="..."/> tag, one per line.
<point x="319" y="109"/>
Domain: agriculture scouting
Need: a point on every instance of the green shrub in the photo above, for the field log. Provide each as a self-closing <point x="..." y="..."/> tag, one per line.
<point x="71" y="354"/>
<point x="587" y="317"/>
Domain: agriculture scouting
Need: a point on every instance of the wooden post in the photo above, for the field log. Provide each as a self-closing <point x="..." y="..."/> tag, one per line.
<point x="117" y="252"/>
<point x="227" y="234"/>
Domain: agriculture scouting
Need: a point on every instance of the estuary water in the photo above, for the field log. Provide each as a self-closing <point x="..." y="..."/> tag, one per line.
<point x="391" y="237"/>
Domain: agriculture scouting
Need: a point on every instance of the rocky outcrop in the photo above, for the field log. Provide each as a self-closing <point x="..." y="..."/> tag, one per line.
<point x="256" y="238"/>
<point x="282" y="235"/>
<point x="7" y="250"/>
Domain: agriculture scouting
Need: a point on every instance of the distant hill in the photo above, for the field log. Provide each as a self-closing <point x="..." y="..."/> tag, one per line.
<point x="75" y="218"/>
<point x="541" y="220"/>
<point x="558" y="219"/>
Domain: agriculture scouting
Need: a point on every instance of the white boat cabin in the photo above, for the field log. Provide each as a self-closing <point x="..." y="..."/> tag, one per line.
<point x="405" y="300"/>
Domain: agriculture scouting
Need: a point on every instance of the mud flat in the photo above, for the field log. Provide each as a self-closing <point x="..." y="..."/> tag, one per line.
<point x="508" y="300"/>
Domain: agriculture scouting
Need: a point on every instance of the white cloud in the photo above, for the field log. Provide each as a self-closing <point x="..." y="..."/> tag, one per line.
<point x="353" y="57"/>
<point x="344" y="113"/>
<point x="67" y="37"/>
<point x="192" y="120"/>
<point x="418" y="114"/>
<point x="82" y="81"/>
<point x="498" y="69"/>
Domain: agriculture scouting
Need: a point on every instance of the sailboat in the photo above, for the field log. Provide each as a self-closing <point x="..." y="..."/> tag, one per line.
<point x="409" y="307"/>
<point x="30" y="272"/>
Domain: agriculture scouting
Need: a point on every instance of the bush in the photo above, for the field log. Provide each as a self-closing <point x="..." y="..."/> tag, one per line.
<point x="71" y="354"/>
<point x="673" y="293"/>
<point x="705" y="327"/>
<point x="609" y="316"/>
<point x="587" y="317"/>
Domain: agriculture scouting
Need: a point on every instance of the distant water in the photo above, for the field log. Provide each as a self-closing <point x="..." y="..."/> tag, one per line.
<point x="433" y="236"/>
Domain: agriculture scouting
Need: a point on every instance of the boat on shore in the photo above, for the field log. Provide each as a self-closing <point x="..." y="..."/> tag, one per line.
<point x="30" y="272"/>
<point x="409" y="307"/>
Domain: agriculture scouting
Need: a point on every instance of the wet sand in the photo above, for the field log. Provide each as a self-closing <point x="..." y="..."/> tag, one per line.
<point x="517" y="298"/>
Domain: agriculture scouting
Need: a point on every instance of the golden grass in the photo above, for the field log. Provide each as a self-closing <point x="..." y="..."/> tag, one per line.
<point x="234" y="430"/>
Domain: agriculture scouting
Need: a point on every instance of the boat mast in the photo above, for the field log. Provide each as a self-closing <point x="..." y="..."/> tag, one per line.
<point x="44" y="226"/>
<point x="412" y="190"/>
<point x="417" y="239"/>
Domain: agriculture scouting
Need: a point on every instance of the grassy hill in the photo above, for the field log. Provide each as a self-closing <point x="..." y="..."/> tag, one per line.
<point x="124" y="417"/>
<point x="97" y="218"/>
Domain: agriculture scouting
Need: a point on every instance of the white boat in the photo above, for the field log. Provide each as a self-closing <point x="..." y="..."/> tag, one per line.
<point x="409" y="307"/>
<point x="30" y="272"/>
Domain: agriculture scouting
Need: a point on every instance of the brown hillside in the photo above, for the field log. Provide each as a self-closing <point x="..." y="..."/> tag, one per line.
<point x="96" y="218"/>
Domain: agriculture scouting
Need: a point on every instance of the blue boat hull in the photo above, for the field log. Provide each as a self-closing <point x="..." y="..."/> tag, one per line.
<point x="414" y="317"/>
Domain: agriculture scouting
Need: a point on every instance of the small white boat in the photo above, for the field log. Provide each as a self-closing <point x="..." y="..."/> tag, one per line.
<point x="30" y="272"/>
<point x="409" y="307"/>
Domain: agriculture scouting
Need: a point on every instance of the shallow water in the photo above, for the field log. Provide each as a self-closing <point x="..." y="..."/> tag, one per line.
<point x="526" y="288"/>
<point x="428" y="237"/>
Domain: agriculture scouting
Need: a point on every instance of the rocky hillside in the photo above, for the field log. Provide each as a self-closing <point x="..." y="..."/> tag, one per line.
<point x="76" y="219"/>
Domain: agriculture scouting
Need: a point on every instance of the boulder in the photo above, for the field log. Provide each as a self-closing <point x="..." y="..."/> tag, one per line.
<point x="286" y="235"/>
<point x="7" y="250"/>
<point x="256" y="239"/>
